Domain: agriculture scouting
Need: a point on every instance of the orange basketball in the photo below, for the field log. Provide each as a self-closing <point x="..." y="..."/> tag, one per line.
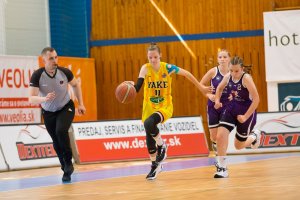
<point x="125" y="93"/>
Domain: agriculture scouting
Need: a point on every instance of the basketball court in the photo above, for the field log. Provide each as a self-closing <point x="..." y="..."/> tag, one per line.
<point x="263" y="176"/>
<point x="108" y="142"/>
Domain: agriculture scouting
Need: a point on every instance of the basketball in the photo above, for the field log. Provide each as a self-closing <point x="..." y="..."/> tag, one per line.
<point x="125" y="93"/>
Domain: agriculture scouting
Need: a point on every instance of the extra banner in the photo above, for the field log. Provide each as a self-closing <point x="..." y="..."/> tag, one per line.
<point x="280" y="133"/>
<point x="3" y="165"/>
<point x="282" y="46"/>
<point x="15" y="73"/>
<point x="281" y="39"/>
<point x="27" y="146"/>
<point x="125" y="140"/>
<point x="289" y="96"/>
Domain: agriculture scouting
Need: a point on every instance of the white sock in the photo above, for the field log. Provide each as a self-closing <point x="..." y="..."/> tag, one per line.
<point x="159" y="140"/>
<point x="253" y="136"/>
<point x="221" y="161"/>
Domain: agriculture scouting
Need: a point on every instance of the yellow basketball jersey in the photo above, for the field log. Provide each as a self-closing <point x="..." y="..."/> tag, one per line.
<point x="157" y="92"/>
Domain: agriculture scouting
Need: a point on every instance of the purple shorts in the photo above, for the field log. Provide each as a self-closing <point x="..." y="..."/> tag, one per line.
<point x="229" y="119"/>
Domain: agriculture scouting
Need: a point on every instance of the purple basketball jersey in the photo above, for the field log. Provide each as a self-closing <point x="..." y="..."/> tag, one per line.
<point x="238" y="106"/>
<point x="214" y="115"/>
<point x="238" y="91"/>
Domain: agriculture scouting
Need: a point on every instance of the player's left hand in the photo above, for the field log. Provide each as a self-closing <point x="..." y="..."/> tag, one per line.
<point x="241" y="118"/>
<point x="218" y="104"/>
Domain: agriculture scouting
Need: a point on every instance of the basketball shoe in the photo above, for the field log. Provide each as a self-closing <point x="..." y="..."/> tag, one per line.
<point x="161" y="153"/>
<point x="257" y="134"/>
<point x="155" y="169"/>
<point x="221" y="172"/>
<point x="68" y="170"/>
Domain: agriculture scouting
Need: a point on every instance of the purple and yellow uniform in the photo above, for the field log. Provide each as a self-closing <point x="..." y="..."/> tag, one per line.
<point x="238" y="106"/>
<point x="214" y="115"/>
<point x="157" y="91"/>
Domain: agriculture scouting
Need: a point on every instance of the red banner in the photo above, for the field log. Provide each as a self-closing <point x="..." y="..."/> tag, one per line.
<point x="135" y="147"/>
<point x="125" y="140"/>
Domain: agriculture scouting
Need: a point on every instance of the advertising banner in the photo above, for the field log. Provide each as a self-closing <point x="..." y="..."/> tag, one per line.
<point x="27" y="146"/>
<point x="125" y="140"/>
<point x="289" y="96"/>
<point x="3" y="166"/>
<point x="15" y="73"/>
<point x="280" y="133"/>
<point x="282" y="45"/>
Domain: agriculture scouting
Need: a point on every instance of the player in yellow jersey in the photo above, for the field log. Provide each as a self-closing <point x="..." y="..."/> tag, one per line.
<point x="157" y="104"/>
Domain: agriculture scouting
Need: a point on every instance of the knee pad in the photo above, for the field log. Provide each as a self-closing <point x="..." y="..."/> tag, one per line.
<point x="151" y="144"/>
<point x="151" y="127"/>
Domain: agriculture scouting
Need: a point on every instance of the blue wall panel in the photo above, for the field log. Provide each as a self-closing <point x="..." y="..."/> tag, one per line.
<point x="69" y="27"/>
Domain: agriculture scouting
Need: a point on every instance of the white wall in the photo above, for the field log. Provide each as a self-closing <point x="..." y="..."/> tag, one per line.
<point x="27" y="26"/>
<point x="272" y="96"/>
<point x="2" y="27"/>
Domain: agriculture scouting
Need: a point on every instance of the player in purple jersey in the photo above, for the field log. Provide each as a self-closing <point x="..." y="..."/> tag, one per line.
<point x="213" y="77"/>
<point x="239" y="113"/>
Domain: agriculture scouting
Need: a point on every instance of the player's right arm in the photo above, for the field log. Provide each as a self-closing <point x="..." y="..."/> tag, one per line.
<point x="140" y="80"/>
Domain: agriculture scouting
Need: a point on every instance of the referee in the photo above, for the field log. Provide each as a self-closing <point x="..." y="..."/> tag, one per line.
<point x="49" y="87"/>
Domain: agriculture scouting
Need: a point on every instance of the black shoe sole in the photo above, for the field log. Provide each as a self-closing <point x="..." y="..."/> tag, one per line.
<point x="153" y="178"/>
<point x="66" y="178"/>
<point x="218" y="176"/>
<point x="67" y="174"/>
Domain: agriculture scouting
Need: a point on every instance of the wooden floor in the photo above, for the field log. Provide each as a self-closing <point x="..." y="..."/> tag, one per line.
<point x="267" y="176"/>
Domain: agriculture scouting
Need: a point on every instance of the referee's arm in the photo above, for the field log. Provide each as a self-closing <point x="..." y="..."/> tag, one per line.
<point x="36" y="99"/>
<point x="78" y="93"/>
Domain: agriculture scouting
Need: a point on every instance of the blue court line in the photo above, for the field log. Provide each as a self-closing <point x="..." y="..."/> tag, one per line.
<point x="174" y="38"/>
<point x="45" y="181"/>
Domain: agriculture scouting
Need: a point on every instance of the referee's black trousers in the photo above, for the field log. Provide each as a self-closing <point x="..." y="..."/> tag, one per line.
<point x="57" y="124"/>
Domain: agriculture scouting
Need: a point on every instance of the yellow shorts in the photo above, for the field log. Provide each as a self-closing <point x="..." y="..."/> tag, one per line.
<point x="166" y="111"/>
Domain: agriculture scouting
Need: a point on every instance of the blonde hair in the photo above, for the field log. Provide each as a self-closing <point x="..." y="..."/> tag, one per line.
<point x="224" y="50"/>
<point x="153" y="46"/>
